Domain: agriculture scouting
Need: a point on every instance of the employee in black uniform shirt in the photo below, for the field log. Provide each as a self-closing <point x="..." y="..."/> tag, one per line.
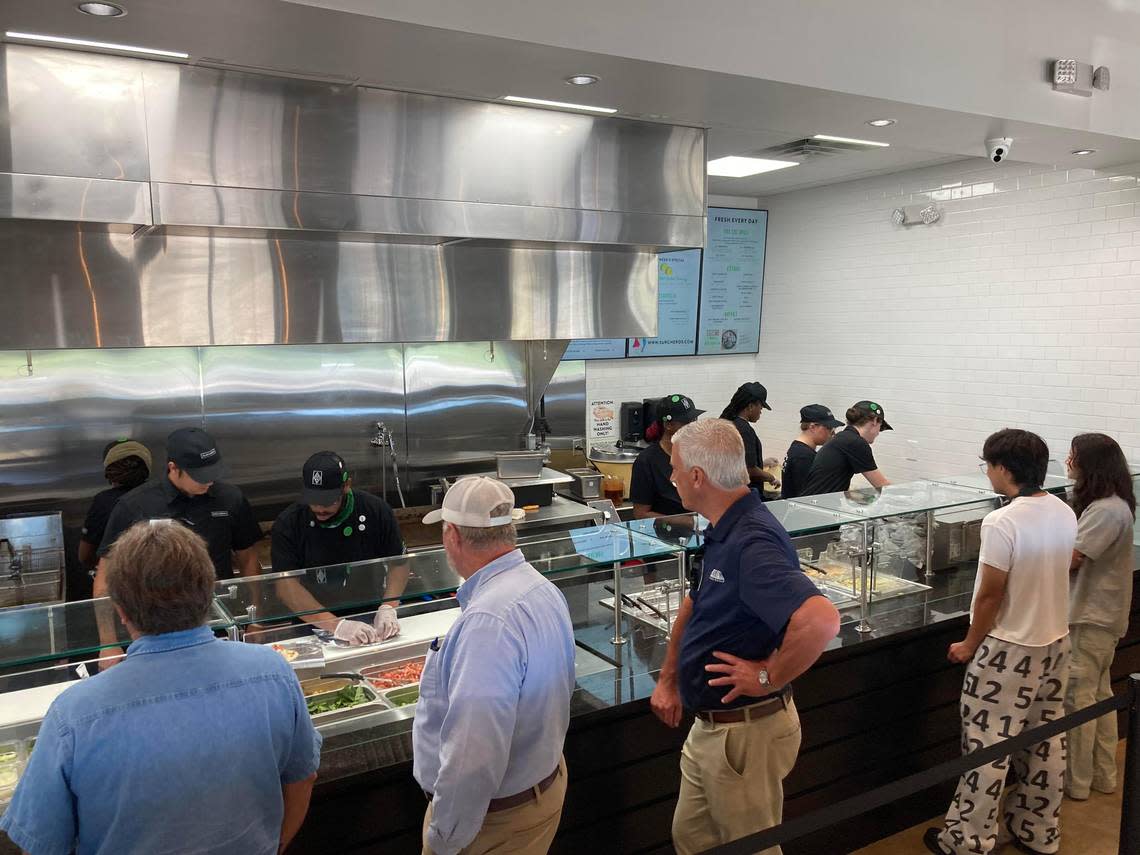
<point x="333" y="524"/>
<point x="188" y="493"/>
<point x="817" y="426"/>
<point x="126" y="465"/>
<point x="849" y="453"/>
<point x="650" y="488"/>
<point x="747" y="405"/>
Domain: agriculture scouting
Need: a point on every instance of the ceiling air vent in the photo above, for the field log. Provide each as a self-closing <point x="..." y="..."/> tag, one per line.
<point x="808" y="148"/>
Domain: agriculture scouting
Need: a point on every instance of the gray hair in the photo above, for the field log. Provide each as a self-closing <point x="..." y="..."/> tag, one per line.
<point x="485" y="538"/>
<point x="714" y="446"/>
<point x="161" y="576"/>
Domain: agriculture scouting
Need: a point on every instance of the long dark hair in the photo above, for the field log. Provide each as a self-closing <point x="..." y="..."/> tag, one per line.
<point x="741" y="398"/>
<point x="1102" y="471"/>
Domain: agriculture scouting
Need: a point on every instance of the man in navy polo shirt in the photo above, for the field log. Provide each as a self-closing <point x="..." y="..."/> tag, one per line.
<point x="751" y="624"/>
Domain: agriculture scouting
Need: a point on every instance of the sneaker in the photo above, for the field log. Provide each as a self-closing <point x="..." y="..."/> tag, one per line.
<point x="1022" y="847"/>
<point x="930" y="841"/>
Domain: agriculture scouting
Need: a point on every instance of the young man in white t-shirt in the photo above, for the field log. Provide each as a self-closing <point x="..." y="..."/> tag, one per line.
<point x="1018" y="654"/>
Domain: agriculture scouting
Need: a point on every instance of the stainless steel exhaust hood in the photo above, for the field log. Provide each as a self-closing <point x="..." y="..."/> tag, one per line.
<point x="146" y="203"/>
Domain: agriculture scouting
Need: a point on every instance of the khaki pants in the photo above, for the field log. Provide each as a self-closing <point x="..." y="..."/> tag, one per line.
<point x="732" y="779"/>
<point x="1092" y="746"/>
<point x="524" y="830"/>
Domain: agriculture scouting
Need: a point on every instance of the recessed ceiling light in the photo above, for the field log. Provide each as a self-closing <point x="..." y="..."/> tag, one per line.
<point x="61" y="40"/>
<point x="742" y="167"/>
<point x="542" y="102"/>
<point x="102" y="10"/>
<point x="881" y="123"/>
<point x="1081" y="151"/>
<point x="853" y="141"/>
<point x="582" y="79"/>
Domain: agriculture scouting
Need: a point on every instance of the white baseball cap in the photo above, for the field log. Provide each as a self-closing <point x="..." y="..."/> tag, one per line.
<point x="470" y="502"/>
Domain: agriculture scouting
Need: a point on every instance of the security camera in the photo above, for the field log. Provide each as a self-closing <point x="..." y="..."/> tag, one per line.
<point x="998" y="149"/>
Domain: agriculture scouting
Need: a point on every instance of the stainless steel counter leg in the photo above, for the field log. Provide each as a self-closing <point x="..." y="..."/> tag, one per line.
<point x="929" y="568"/>
<point x="866" y="555"/>
<point x="619" y="637"/>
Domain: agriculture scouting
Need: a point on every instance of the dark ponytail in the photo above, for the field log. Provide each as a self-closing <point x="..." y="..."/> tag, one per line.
<point x="741" y="398"/>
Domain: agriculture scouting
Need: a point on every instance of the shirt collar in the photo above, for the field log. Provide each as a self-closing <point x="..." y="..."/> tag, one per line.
<point x="171" y="492"/>
<point x="171" y="641"/>
<point x="469" y="589"/>
<point x="735" y="511"/>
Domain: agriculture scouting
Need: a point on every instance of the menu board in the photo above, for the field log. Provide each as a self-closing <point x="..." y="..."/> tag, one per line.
<point x="678" y="289"/>
<point x="732" y="281"/>
<point x="594" y="348"/>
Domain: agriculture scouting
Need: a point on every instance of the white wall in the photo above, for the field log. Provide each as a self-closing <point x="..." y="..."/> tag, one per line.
<point x="1020" y="308"/>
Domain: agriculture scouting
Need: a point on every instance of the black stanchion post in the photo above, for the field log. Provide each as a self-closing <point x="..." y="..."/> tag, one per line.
<point x="1130" y="807"/>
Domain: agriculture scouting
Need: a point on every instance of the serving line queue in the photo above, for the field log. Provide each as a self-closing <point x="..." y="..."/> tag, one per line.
<point x="751" y="623"/>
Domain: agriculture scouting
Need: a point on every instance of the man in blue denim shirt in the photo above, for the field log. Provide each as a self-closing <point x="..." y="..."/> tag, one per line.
<point x="190" y="744"/>
<point x="495" y="692"/>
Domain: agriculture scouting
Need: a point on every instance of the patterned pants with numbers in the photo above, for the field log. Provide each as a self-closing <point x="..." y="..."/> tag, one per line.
<point x="1008" y="689"/>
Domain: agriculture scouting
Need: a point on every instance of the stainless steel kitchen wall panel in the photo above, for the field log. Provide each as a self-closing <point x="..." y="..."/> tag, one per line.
<point x="566" y="399"/>
<point x="235" y="129"/>
<point x="60" y="408"/>
<point x="464" y="402"/>
<point x="70" y="285"/>
<point x="442" y="220"/>
<point x="72" y="114"/>
<point x="81" y="200"/>
<point x="272" y="407"/>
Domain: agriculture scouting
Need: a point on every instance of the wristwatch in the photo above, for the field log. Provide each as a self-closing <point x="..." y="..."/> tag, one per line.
<point x="763" y="677"/>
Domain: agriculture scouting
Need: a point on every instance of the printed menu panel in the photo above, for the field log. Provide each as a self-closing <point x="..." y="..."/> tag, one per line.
<point x="732" y="281"/>
<point x="594" y="348"/>
<point x="678" y="288"/>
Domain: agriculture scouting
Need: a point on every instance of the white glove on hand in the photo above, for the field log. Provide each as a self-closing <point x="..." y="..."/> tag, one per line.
<point x="356" y="632"/>
<point x="385" y="622"/>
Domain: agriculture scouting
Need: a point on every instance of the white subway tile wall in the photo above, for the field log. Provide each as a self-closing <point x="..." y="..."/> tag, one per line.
<point x="1020" y="308"/>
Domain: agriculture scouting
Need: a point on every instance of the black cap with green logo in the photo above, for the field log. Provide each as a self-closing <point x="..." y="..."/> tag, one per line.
<point x="677" y="408"/>
<point x="873" y="409"/>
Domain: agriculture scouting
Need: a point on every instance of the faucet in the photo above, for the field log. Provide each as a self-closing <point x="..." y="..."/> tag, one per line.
<point x="385" y="441"/>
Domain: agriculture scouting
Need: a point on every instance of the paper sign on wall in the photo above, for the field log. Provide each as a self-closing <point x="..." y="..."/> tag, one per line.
<point x="603" y="419"/>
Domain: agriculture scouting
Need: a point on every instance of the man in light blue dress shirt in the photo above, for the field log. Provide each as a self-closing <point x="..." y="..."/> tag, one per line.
<point x="189" y="744"/>
<point x="495" y="693"/>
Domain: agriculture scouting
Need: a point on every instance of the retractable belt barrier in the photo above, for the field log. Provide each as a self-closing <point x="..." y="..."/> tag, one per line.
<point x="953" y="769"/>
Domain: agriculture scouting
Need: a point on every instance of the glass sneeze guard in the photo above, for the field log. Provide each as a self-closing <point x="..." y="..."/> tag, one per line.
<point x="32" y="634"/>
<point x="897" y="499"/>
<point x="419" y="575"/>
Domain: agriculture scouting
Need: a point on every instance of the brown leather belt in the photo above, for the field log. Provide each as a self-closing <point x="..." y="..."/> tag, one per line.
<point x="527" y="795"/>
<point x="761" y="709"/>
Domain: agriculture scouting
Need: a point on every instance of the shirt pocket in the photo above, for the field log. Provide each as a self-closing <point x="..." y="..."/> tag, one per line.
<point x="430" y="681"/>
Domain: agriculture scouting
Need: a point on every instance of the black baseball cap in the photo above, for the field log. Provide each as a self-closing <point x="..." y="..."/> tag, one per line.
<point x="820" y="415"/>
<point x="757" y="392"/>
<point x="194" y="450"/>
<point x="322" y="479"/>
<point x="677" y="408"/>
<point x="873" y="409"/>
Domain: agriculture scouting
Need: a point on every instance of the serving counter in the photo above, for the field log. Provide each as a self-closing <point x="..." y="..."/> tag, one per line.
<point x="880" y="703"/>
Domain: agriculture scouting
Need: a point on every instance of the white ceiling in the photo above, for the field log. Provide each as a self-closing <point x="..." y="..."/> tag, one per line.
<point x="743" y="114"/>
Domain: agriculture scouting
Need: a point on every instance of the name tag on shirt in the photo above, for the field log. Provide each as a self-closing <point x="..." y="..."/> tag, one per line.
<point x="219" y="513"/>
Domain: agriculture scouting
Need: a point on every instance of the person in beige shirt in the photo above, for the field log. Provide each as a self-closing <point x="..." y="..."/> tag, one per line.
<point x="1099" y="603"/>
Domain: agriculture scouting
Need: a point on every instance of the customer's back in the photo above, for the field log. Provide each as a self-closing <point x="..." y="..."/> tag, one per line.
<point x="184" y="746"/>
